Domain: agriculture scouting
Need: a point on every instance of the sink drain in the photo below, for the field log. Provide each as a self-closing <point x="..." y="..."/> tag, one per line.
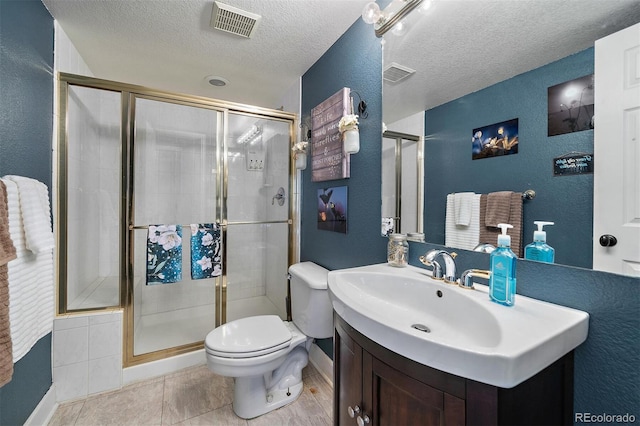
<point x="421" y="327"/>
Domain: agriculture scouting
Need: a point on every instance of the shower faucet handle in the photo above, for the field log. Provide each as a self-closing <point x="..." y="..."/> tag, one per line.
<point x="279" y="196"/>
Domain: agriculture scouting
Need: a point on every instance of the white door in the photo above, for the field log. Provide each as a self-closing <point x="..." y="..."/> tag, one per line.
<point x="616" y="198"/>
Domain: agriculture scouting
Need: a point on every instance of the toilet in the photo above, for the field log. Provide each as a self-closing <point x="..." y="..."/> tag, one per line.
<point x="264" y="354"/>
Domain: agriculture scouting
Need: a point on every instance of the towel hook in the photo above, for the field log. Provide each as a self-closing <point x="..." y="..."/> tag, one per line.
<point x="529" y="194"/>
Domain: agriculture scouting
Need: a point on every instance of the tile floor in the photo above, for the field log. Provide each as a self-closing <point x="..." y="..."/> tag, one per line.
<point x="193" y="396"/>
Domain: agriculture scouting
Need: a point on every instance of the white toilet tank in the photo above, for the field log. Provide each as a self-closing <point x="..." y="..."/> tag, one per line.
<point x="311" y="308"/>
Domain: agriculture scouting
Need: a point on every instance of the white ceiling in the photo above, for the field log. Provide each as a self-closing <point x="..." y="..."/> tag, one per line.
<point x="460" y="46"/>
<point x="169" y="44"/>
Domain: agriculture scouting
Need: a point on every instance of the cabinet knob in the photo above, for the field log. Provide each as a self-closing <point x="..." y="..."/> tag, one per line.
<point x="353" y="411"/>
<point x="363" y="420"/>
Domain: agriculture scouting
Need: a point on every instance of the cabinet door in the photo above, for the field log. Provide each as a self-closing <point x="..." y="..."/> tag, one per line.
<point x="347" y="376"/>
<point x="397" y="399"/>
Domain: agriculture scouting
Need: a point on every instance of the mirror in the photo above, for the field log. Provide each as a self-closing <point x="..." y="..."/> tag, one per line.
<point x="459" y="53"/>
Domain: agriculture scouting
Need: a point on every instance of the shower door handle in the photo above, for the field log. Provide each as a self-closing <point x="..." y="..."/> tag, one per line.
<point x="279" y="196"/>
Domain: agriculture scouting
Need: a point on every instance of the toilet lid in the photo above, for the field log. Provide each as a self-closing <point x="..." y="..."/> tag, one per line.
<point x="248" y="337"/>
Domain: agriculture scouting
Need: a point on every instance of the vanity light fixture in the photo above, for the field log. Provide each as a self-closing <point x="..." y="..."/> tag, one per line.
<point x="384" y="20"/>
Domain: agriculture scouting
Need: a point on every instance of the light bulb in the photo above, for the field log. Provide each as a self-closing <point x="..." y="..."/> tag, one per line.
<point x="424" y="7"/>
<point x="400" y="28"/>
<point x="371" y="13"/>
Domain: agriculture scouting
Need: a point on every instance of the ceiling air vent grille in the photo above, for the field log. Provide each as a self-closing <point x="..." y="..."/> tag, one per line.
<point x="395" y="72"/>
<point x="233" y="20"/>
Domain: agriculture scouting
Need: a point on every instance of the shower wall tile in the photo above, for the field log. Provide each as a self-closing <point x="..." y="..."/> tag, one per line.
<point x="65" y="323"/>
<point x="87" y="354"/>
<point x="104" y="374"/>
<point x="70" y="346"/>
<point x="66" y="56"/>
<point x="105" y="339"/>
<point x="71" y="381"/>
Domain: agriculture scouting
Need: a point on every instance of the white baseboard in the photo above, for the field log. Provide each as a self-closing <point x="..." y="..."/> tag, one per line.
<point x="322" y="362"/>
<point x="163" y="366"/>
<point x="43" y="412"/>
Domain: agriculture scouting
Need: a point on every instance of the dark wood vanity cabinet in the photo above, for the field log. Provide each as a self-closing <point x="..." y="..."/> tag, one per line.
<point x="379" y="387"/>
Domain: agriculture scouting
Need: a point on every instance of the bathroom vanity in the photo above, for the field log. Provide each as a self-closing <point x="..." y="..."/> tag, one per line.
<point x="378" y="386"/>
<point x="413" y="350"/>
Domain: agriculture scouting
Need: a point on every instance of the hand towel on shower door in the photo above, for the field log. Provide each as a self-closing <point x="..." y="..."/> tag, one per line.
<point x="164" y="254"/>
<point x="205" y="251"/>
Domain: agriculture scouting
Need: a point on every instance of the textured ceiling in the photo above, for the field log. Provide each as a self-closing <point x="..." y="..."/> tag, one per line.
<point x="169" y="45"/>
<point x="461" y="46"/>
<point x="458" y="46"/>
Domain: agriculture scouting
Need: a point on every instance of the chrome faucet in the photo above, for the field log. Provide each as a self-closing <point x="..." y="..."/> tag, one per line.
<point x="429" y="259"/>
<point x="466" y="279"/>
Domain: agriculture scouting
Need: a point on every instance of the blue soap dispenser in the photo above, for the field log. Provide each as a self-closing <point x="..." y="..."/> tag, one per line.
<point x="539" y="249"/>
<point x="502" y="283"/>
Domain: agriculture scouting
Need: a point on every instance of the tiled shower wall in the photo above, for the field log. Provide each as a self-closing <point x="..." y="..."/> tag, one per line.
<point x="256" y="261"/>
<point x="87" y="349"/>
<point x="87" y="354"/>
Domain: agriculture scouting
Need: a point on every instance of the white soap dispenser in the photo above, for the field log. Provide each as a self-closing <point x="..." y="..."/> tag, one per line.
<point x="539" y="249"/>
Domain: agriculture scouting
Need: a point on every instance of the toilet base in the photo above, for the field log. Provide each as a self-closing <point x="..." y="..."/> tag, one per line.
<point x="254" y="402"/>
<point x="254" y="396"/>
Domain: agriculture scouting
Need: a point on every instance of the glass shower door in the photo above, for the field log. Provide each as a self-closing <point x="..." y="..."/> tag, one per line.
<point x="92" y="165"/>
<point x="257" y="216"/>
<point x="174" y="231"/>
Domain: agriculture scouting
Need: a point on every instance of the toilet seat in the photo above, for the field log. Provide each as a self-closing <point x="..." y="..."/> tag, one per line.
<point x="249" y="337"/>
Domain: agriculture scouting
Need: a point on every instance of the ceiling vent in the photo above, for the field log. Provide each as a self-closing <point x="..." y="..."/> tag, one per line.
<point x="233" y="20"/>
<point x="395" y="72"/>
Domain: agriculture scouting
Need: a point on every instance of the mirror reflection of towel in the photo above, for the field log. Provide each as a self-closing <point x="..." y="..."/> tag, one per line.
<point x="498" y="208"/>
<point x="205" y="251"/>
<point x="460" y="236"/>
<point x="490" y="234"/>
<point x="164" y="254"/>
<point x="463" y="206"/>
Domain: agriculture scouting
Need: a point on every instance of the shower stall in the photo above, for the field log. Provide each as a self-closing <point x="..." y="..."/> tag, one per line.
<point x="176" y="208"/>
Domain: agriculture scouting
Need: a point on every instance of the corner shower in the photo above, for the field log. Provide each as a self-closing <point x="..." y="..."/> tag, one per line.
<point x="131" y="159"/>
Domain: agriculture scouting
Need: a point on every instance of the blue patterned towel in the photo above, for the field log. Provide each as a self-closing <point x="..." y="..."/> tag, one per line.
<point x="205" y="251"/>
<point x="164" y="254"/>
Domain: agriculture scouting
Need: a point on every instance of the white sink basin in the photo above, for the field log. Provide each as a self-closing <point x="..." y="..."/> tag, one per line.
<point x="468" y="335"/>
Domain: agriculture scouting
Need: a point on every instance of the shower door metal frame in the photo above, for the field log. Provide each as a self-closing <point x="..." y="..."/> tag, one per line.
<point x="128" y="95"/>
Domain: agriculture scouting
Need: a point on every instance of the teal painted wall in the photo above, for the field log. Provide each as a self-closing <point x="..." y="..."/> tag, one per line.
<point x="449" y="167"/>
<point x="26" y="114"/>
<point x="607" y="378"/>
<point x="354" y="61"/>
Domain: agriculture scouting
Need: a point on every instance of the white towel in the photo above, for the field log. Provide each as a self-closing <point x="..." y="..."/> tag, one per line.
<point x="36" y="213"/>
<point x="31" y="284"/>
<point x="463" y="203"/>
<point x="458" y="236"/>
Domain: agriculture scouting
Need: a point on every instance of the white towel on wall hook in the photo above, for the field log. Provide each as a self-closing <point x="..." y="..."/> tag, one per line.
<point x="36" y="213"/>
<point x="31" y="283"/>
